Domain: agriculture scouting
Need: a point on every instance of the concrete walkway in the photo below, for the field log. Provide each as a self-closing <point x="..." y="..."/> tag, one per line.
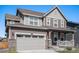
<point x="37" y="51"/>
<point x="3" y="50"/>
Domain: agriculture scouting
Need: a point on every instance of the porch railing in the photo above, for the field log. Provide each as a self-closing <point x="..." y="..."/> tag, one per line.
<point x="65" y="43"/>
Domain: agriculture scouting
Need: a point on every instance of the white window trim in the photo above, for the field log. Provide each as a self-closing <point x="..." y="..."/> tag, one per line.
<point x="33" y="20"/>
<point x="55" y="23"/>
<point x="62" y="23"/>
<point x="48" y="20"/>
<point x="20" y="33"/>
<point x="40" y="34"/>
<point x="12" y="22"/>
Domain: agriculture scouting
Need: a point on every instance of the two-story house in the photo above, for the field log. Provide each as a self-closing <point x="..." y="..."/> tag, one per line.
<point x="33" y="30"/>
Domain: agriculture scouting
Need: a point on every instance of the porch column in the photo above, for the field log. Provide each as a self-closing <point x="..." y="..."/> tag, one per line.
<point x="73" y="39"/>
<point x="46" y="41"/>
<point x="50" y="40"/>
<point x="9" y="33"/>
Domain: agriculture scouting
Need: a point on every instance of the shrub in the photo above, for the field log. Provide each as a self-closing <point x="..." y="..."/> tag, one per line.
<point x="68" y="48"/>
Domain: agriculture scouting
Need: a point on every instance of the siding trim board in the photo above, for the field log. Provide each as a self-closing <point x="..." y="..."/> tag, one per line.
<point x="42" y="28"/>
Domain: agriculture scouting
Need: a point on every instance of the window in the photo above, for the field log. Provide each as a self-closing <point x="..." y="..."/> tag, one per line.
<point x="34" y="36"/>
<point x="41" y="36"/>
<point x="27" y="36"/>
<point x="62" y="24"/>
<point x="55" y="34"/>
<point x="31" y="22"/>
<point x="48" y="21"/>
<point x="19" y="35"/>
<point x="35" y="18"/>
<point x="12" y="22"/>
<point x="55" y="23"/>
<point x="31" y="18"/>
<point x="34" y="21"/>
<point x="37" y="36"/>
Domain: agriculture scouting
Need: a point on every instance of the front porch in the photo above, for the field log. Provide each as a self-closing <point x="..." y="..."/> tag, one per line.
<point x="60" y="39"/>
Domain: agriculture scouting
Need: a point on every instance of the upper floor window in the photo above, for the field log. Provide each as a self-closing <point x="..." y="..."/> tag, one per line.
<point x="62" y="24"/>
<point x="33" y="21"/>
<point x="55" y="23"/>
<point x="48" y="21"/>
<point x="12" y="22"/>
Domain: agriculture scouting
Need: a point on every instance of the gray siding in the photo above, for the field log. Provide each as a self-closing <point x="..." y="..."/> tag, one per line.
<point x="56" y="15"/>
<point x="77" y="38"/>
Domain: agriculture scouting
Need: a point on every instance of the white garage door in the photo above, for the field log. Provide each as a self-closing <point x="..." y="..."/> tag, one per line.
<point x="30" y="42"/>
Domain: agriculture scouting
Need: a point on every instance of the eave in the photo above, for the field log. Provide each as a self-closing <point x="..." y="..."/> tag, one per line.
<point x="46" y="28"/>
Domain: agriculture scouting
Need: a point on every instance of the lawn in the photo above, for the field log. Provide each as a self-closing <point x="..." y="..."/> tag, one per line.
<point x="70" y="51"/>
<point x="12" y="50"/>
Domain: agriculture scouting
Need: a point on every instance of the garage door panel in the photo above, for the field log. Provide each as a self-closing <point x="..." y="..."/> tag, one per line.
<point x="31" y="43"/>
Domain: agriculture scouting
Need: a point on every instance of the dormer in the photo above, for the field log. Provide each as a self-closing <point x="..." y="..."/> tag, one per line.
<point x="29" y="17"/>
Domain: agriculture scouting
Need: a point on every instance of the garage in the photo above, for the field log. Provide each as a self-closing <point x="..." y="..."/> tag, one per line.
<point x="30" y="41"/>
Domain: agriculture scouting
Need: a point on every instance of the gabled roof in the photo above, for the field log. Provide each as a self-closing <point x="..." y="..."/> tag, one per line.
<point x="30" y="12"/>
<point x="12" y="17"/>
<point x="51" y="10"/>
<point x="35" y="13"/>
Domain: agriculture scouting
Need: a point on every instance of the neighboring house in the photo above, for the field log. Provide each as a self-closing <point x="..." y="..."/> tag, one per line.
<point x="33" y="30"/>
<point x="0" y="39"/>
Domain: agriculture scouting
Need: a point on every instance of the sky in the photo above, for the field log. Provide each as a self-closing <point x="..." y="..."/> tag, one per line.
<point x="71" y="12"/>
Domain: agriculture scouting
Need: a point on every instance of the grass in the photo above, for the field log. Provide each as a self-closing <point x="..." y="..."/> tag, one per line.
<point x="12" y="50"/>
<point x="70" y="51"/>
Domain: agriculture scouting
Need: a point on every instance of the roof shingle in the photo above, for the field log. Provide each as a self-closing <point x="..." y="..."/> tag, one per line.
<point x="12" y="17"/>
<point x="31" y="12"/>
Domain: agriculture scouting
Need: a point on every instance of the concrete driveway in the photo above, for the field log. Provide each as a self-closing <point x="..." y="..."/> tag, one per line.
<point x="4" y="50"/>
<point x="37" y="51"/>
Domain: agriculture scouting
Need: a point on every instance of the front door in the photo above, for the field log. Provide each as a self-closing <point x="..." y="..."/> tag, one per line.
<point x="55" y="38"/>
